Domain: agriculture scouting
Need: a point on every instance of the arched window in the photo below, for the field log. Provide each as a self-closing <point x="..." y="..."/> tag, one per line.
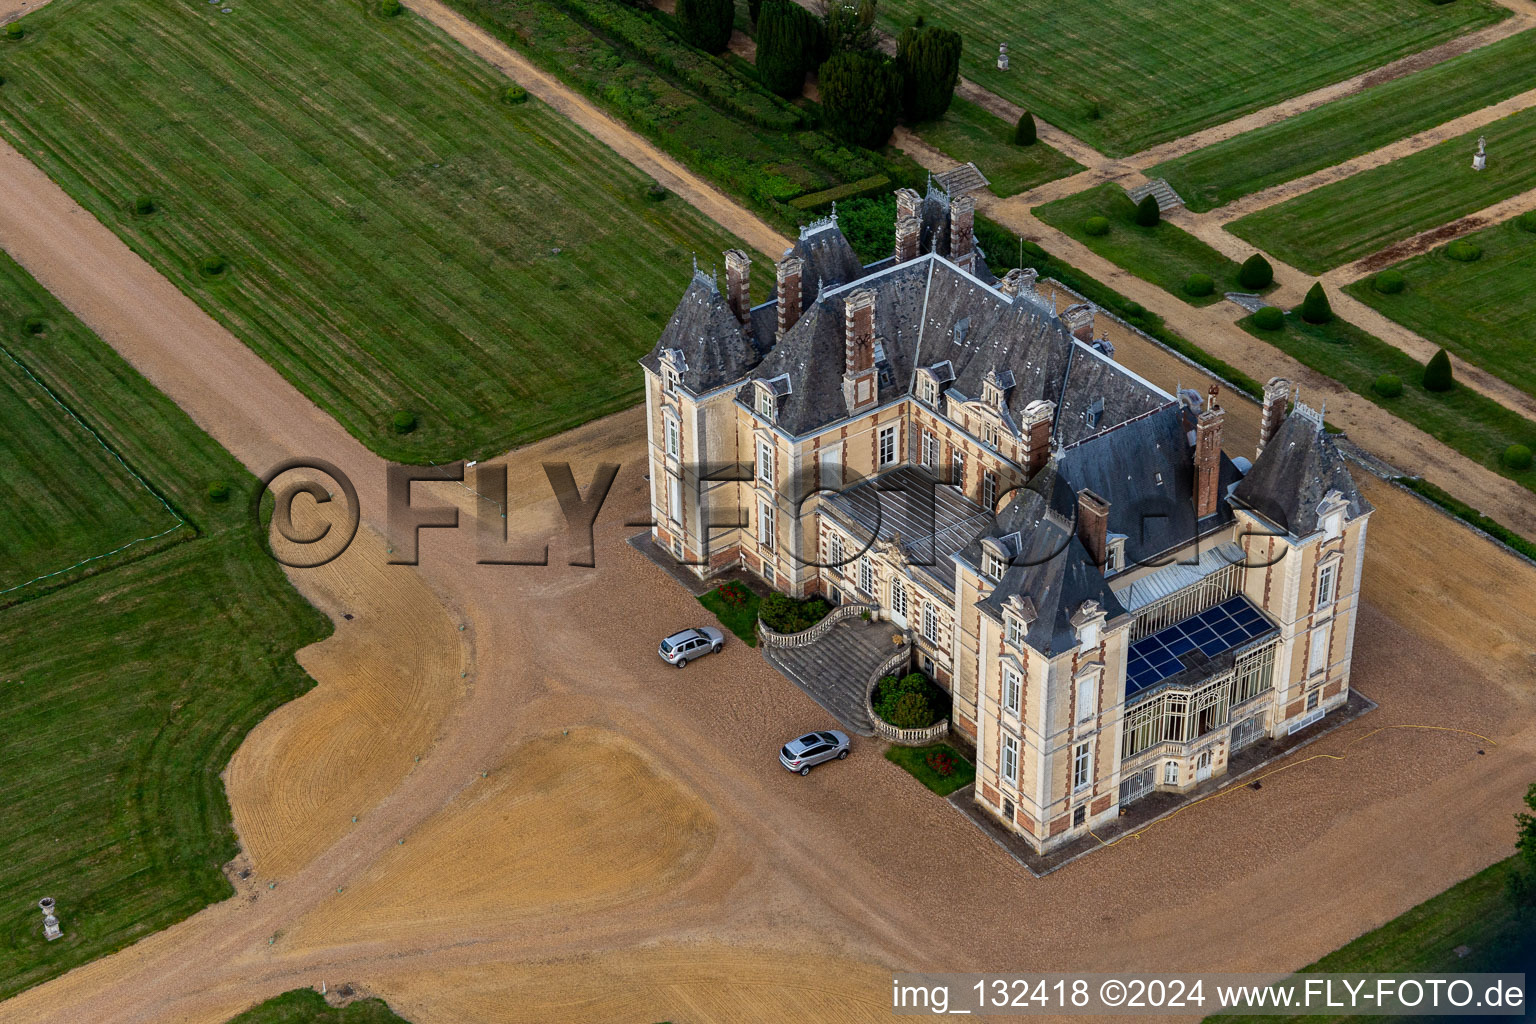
<point x="1171" y="773"/>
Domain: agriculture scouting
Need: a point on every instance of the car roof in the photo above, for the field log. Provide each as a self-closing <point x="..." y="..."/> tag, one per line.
<point x="686" y="634"/>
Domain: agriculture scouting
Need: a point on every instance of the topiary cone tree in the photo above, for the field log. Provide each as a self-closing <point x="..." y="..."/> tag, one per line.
<point x="1147" y="213"/>
<point x="706" y="23"/>
<point x="1437" y="373"/>
<point x="1315" y="308"/>
<point x="1024" y="134"/>
<point x="1256" y="273"/>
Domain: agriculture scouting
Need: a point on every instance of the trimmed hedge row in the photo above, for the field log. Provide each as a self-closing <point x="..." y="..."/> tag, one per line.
<point x="853" y="190"/>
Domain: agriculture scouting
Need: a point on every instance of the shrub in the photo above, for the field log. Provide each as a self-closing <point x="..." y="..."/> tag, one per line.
<point x="942" y="763"/>
<point x="1388" y="385"/>
<point x="1388" y="282"/>
<point x="1517" y="456"/>
<point x="212" y="266"/>
<point x="1269" y="318"/>
<point x="514" y="94"/>
<point x="1199" y="285"/>
<point x="1437" y="373"/>
<point x="14" y="30"/>
<point x="1096" y="226"/>
<point x="1094" y="112"/>
<point x="1528" y="220"/>
<point x="706" y="24"/>
<point x="403" y="422"/>
<point x="910" y="702"/>
<point x="654" y="192"/>
<point x="911" y="712"/>
<point x="786" y="615"/>
<point x="848" y="25"/>
<point x="218" y="491"/>
<point x="1256" y="273"/>
<point x="1463" y="251"/>
<point x="929" y="62"/>
<point x="1147" y="213"/>
<point x="390" y="8"/>
<point x="144" y="206"/>
<point x="1315" y="308"/>
<point x="861" y="97"/>
<point x="788" y="40"/>
<point x="1025" y="133"/>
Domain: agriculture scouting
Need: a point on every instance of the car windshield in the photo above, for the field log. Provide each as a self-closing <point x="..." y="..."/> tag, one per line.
<point x="666" y="646"/>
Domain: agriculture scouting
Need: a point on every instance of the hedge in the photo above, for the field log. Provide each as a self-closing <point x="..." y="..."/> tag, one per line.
<point x="1388" y="282"/>
<point x="1269" y="318"/>
<point x="1463" y="251"/>
<point x="1517" y="456"/>
<point x="1388" y="385"/>
<point x="1199" y="285"/>
<point x="852" y="190"/>
<point x="1096" y="226"/>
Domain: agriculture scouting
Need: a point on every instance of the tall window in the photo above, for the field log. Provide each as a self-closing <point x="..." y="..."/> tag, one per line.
<point x="1087" y="696"/>
<point x="887" y="445"/>
<point x="1171" y="773"/>
<point x="930" y="624"/>
<point x="674" y="439"/>
<point x="930" y="391"/>
<point x="1015" y="631"/>
<point x="765" y="524"/>
<point x="957" y="467"/>
<point x="832" y="465"/>
<point x="1010" y="760"/>
<point x="898" y="598"/>
<point x="930" y="450"/>
<point x="988" y="490"/>
<point x="1327" y="583"/>
<point x="866" y="576"/>
<point x="1011" y="689"/>
<point x="764" y="462"/>
<point x="674" y="498"/>
<point x="1080" y="767"/>
<point x="835" y="550"/>
<point x="1318" y="659"/>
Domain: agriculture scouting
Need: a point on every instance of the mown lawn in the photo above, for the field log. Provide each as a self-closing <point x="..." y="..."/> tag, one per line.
<point x="736" y="608"/>
<point x="397" y="236"/>
<point x="1159" y="72"/>
<point x="1484" y="311"/>
<point x="1475" y="426"/>
<point x="1369" y="211"/>
<point x="1346" y="128"/>
<point x="970" y="134"/>
<point x="915" y="761"/>
<point x="1164" y="254"/>
<point x="68" y="504"/>
<point x="124" y="693"/>
<point x="1475" y="913"/>
<point x="306" y="1006"/>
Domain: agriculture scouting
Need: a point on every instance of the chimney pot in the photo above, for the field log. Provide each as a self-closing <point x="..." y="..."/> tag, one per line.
<point x="1093" y="526"/>
<point x="1038" y="416"/>
<point x="788" y="279"/>
<point x="962" y="233"/>
<point x="738" y="293"/>
<point x="1276" y="394"/>
<point x="1208" y="456"/>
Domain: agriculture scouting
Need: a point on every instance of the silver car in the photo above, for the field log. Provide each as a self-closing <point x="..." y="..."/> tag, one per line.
<point x="681" y="648"/>
<point x="806" y="752"/>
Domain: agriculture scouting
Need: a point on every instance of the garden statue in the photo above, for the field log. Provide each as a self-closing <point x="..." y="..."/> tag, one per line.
<point x="1002" y="56"/>
<point x="1480" y="158"/>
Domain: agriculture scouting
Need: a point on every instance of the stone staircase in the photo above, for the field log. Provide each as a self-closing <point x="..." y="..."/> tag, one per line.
<point x="1167" y="198"/>
<point x="835" y="669"/>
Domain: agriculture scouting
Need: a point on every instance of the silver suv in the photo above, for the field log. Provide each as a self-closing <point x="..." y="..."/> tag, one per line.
<point x="803" y="754"/>
<point x="681" y="648"/>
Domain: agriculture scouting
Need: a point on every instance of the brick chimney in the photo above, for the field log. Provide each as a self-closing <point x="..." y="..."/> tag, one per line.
<point x="909" y="225"/>
<point x="1093" y="526"/>
<point x="908" y="203"/>
<point x="1208" y="456"/>
<point x="962" y="233"/>
<point x="738" y="294"/>
<point x="1037" y="434"/>
<point x="1018" y="280"/>
<point x="1079" y="320"/>
<point x="860" y="386"/>
<point x="789" y="270"/>
<point x="1276" y="393"/>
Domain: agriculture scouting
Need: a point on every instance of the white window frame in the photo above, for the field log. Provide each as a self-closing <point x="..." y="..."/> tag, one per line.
<point x="674" y="498"/>
<point x="992" y="566"/>
<point x="989" y="490"/>
<point x="1013" y="689"/>
<point x="1014" y="630"/>
<point x="1010" y="761"/>
<point x="930" y="624"/>
<point x="765" y="403"/>
<point x="674" y="435"/>
<point x="1082" y="766"/>
<point x="1170" y="773"/>
<point x="887" y="451"/>
<point x="832" y="465"/>
<point x="930" y="450"/>
<point x="1327" y="584"/>
<point x="1317" y="654"/>
<point x="835" y="551"/>
<point x="765" y="524"/>
<point x="898" y="598"/>
<point x="1333" y="525"/>
<point x="1088" y="636"/>
<point x="764" y="461"/>
<point x="1087" y="696"/>
<point x="957" y="467"/>
<point x="867" y="576"/>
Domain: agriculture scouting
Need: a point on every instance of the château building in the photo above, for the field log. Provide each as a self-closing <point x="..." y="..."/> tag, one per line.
<point x="1115" y="605"/>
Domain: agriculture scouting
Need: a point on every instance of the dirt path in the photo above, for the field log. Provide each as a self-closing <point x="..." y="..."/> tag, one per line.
<point x="617" y="136"/>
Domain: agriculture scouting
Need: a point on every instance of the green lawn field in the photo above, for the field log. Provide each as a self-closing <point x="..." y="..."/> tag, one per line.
<point x="306" y="1006"/>
<point x="1477" y="427"/>
<point x="68" y="503"/>
<point x="970" y="134"/>
<point x="1164" y="254"/>
<point x="397" y="236"/>
<point x="1367" y="212"/>
<point x="1159" y="72"/>
<point x="1346" y="128"/>
<point x="1483" y="311"/>
<point x="124" y="693"/>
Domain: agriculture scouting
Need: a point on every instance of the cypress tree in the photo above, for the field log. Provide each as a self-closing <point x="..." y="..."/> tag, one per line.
<point x="1437" y="373"/>
<point x="754" y="9"/>
<point x="929" y="61"/>
<point x="1256" y="273"/>
<point x="861" y="96"/>
<point x="788" y="38"/>
<point x="1024" y="134"/>
<point x="1147" y="213"/>
<point x="1315" y="308"/>
<point x="706" y="23"/>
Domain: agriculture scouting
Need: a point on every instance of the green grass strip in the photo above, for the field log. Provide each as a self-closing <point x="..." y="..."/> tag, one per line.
<point x="914" y="760"/>
<point x="970" y="133"/>
<point x="738" y="615"/>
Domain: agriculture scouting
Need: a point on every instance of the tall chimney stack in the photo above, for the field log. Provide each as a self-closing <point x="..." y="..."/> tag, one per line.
<point x="860" y="386"/>
<point x="1093" y="526"/>
<point x="1037" y="434"/>
<point x="789" y="270"/>
<point x="1079" y="320"/>
<point x="1208" y="456"/>
<point x="962" y="233"/>
<point x="909" y="225"/>
<point x="1276" y="393"/>
<point x="738" y="293"/>
<point x="1019" y="279"/>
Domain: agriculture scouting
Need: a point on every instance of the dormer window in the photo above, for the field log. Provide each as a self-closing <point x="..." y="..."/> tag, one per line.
<point x="669" y="379"/>
<point x="766" y="406"/>
<point x="1015" y="631"/>
<point x="1333" y="525"/>
<point x="929" y="391"/>
<point x="994" y="559"/>
<point x="1114" y="557"/>
<point x="1330" y="515"/>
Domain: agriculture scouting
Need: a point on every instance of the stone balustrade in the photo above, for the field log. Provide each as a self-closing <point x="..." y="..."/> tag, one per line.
<point x="900" y="659"/>
<point x="772" y="638"/>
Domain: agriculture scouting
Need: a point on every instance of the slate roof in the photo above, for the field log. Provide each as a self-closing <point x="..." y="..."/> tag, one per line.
<point x="1296" y="470"/>
<point x="716" y="350"/>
